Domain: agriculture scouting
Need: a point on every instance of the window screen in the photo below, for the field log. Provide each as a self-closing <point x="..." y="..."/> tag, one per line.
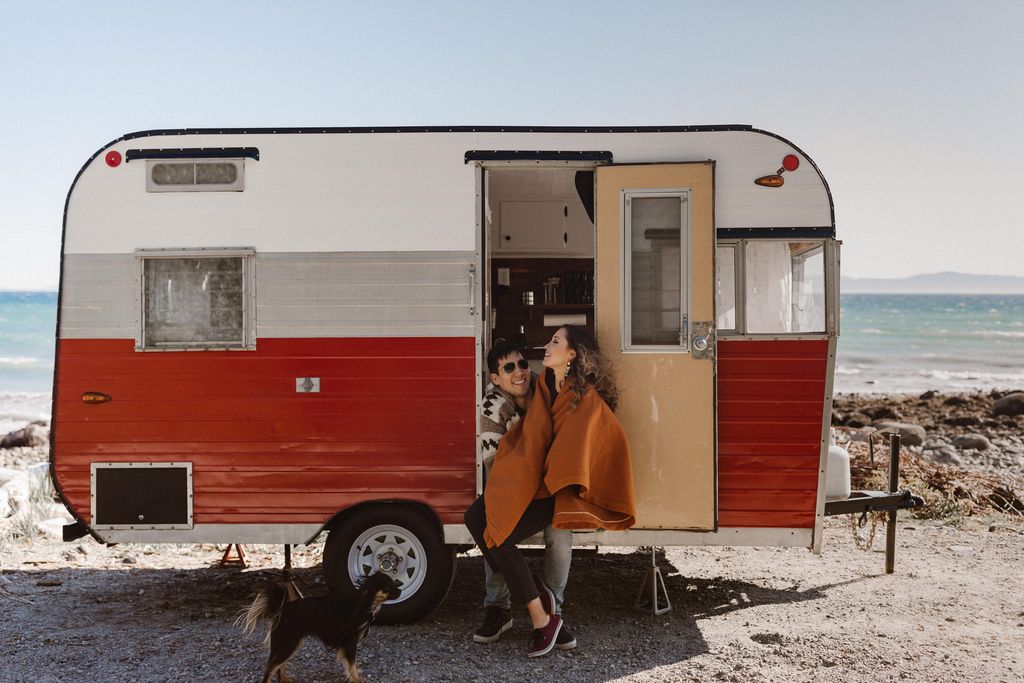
<point x="785" y="286"/>
<point x="657" y="242"/>
<point x="194" y="176"/>
<point x="194" y="302"/>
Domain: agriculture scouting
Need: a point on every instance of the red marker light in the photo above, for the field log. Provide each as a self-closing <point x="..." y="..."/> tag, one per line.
<point x="791" y="162"/>
<point x="113" y="159"/>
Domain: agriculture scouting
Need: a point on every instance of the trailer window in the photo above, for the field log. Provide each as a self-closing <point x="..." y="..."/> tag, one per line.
<point x="725" y="288"/>
<point x="195" y="302"/>
<point x="657" y="264"/>
<point x="189" y="175"/>
<point x="785" y="286"/>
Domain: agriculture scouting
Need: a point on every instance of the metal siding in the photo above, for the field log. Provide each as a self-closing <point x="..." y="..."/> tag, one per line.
<point x="399" y="191"/>
<point x="769" y="431"/>
<point x="395" y="419"/>
<point x="351" y="294"/>
<point x="100" y="296"/>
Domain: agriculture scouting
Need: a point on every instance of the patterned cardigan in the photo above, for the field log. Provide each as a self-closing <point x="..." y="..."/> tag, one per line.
<point x="498" y="412"/>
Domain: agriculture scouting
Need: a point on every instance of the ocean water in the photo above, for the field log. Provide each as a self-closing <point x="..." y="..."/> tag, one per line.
<point x="889" y="343"/>
<point x="27" y="324"/>
<point x="903" y="343"/>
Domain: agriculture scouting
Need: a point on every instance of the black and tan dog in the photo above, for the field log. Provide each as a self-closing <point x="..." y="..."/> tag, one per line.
<point x="339" y="623"/>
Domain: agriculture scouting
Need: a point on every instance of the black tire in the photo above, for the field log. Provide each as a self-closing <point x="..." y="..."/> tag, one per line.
<point x="398" y="539"/>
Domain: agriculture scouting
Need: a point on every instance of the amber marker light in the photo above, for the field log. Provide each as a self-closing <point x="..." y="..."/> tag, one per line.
<point x="94" y="397"/>
<point x="113" y="159"/>
<point x="770" y="181"/>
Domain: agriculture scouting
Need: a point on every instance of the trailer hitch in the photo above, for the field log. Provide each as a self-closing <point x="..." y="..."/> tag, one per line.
<point x="891" y="501"/>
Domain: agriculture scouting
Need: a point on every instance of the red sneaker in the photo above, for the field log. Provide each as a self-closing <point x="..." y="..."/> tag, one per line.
<point x="543" y="639"/>
<point x="547" y="598"/>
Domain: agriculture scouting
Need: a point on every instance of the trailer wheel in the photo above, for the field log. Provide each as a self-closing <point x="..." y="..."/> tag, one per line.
<point x="399" y="541"/>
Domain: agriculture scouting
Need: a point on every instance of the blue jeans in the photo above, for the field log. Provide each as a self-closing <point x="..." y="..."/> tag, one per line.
<point x="557" y="559"/>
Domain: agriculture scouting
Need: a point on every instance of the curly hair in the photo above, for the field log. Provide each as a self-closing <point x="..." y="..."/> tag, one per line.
<point x="589" y="368"/>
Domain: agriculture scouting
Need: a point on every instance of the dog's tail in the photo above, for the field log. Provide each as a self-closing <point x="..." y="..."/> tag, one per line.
<point x="267" y="605"/>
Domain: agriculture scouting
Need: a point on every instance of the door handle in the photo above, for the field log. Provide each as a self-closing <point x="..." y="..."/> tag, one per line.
<point x="702" y="340"/>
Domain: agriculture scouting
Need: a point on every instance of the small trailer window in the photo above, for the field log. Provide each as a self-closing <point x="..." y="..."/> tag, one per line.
<point x="785" y="286"/>
<point x="725" y="288"/>
<point x="657" y="265"/>
<point x="193" y="301"/>
<point x="190" y="175"/>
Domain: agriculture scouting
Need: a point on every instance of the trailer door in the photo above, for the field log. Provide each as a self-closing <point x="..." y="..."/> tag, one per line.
<point x="655" y="315"/>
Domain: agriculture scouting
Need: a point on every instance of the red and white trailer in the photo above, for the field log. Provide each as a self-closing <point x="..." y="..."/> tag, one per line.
<point x="265" y="334"/>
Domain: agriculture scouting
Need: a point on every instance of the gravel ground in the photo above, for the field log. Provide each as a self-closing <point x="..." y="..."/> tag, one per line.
<point x="954" y="608"/>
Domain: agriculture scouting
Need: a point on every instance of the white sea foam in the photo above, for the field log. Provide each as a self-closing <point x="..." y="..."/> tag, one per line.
<point x="975" y="376"/>
<point x="996" y="334"/>
<point x="18" y="408"/>
<point x="871" y="330"/>
<point x="842" y="370"/>
<point x="21" y="361"/>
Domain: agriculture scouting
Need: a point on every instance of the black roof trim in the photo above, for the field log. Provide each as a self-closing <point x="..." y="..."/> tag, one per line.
<point x="820" y="232"/>
<point x="436" y="129"/>
<point x="193" y="153"/>
<point x="536" y="155"/>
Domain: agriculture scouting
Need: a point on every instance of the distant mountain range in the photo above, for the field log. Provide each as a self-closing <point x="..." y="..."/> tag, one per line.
<point x="936" y="283"/>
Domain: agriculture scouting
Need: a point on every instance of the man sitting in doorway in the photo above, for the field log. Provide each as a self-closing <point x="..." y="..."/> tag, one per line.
<point x="505" y="402"/>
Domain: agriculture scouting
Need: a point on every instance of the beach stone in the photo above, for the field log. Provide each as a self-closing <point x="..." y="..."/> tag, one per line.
<point x="856" y="420"/>
<point x="34" y="434"/>
<point x="7" y="475"/>
<point x="955" y="401"/>
<point x="910" y="434"/>
<point x="884" y="413"/>
<point x="945" y="455"/>
<point x="975" y="441"/>
<point x="931" y="393"/>
<point x="962" y="421"/>
<point x="18" y="492"/>
<point x="1011" y="404"/>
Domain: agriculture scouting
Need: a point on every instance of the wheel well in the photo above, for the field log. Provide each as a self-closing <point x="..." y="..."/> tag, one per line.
<point x="422" y="508"/>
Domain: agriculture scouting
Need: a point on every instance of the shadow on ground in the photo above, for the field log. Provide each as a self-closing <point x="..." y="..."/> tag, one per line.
<point x="166" y="624"/>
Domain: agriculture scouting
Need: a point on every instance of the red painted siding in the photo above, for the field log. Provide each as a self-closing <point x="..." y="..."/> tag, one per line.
<point x="395" y="418"/>
<point x="770" y="402"/>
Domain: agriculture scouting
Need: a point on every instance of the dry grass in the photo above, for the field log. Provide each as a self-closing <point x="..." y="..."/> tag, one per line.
<point x="950" y="493"/>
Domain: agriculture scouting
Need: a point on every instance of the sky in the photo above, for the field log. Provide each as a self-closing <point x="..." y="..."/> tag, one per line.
<point x="910" y="109"/>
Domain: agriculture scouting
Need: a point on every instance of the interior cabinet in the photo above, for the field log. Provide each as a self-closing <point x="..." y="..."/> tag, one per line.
<point x="571" y="300"/>
<point x="549" y="227"/>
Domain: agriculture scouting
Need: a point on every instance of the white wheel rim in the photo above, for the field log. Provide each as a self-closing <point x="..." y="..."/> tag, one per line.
<point x="393" y="550"/>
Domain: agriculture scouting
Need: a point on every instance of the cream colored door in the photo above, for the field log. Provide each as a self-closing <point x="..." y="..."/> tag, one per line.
<point x="655" y="315"/>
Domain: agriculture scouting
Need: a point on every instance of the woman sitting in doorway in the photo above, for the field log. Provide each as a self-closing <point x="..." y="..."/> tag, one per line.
<point x="566" y="463"/>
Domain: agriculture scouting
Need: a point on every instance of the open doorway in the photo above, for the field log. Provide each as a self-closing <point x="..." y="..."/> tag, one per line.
<point x="539" y="245"/>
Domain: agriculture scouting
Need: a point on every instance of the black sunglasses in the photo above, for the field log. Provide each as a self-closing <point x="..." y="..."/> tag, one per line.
<point x="509" y="368"/>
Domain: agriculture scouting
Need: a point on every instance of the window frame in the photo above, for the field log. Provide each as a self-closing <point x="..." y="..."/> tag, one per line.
<point x="684" y="194"/>
<point x="248" y="257"/>
<point x="237" y="186"/>
<point x="831" y="248"/>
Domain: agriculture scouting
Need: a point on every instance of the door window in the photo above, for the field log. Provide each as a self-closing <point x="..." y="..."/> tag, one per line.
<point x="657" y="269"/>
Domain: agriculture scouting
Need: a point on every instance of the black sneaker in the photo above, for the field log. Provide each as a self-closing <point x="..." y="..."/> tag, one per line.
<point x="542" y="641"/>
<point x="496" y="622"/>
<point x="565" y="640"/>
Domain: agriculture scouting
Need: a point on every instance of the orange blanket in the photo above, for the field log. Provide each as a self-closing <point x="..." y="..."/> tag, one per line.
<point x="578" y="454"/>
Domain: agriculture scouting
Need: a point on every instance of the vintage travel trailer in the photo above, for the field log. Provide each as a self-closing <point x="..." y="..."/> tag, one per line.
<point x="267" y="334"/>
